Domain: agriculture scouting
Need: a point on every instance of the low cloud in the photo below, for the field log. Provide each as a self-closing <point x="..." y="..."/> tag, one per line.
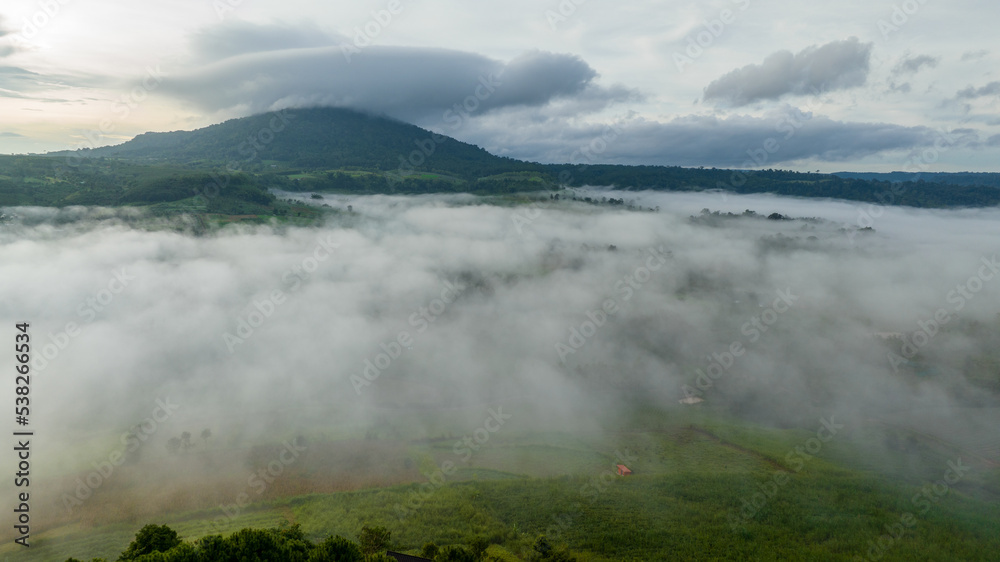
<point x="912" y="65"/>
<point x="835" y="66"/>
<point x="17" y="82"/>
<point x="9" y="43"/>
<point x="237" y="37"/>
<point x="249" y="68"/>
<point x="152" y="307"/>
<point x="695" y="140"/>
<point x="991" y="89"/>
<point x="974" y="55"/>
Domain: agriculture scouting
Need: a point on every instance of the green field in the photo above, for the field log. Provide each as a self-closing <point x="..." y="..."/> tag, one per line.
<point x="695" y="473"/>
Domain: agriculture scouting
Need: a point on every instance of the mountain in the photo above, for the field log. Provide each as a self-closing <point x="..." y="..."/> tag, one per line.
<point x="315" y="138"/>
<point x="331" y="149"/>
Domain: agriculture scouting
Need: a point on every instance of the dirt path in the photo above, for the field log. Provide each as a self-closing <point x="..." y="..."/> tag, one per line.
<point x="773" y="463"/>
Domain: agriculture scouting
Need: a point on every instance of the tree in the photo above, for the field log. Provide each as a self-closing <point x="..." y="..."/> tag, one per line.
<point x="374" y="539"/>
<point x="186" y="440"/>
<point x="542" y="547"/>
<point x="336" y="549"/>
<point x="429" y="550"/>
<point x="205" y="434"/>
<point x="173" y="445"/>
<point x="454" y="554"/>
<point x="545" y="551"/>
<point x="151" y="538"/>
<point x="478" y="546"/>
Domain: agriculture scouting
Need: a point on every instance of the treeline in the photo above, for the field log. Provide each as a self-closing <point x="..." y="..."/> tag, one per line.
<point x="160" y="543"/>
<point x="780" y="182"/>
<point x="407" y="184"/>
<point x="989" y="179"/>
<point x="51" y="182"/>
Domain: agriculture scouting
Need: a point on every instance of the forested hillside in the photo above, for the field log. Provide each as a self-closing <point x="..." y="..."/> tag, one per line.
<point x="340" y="150"/>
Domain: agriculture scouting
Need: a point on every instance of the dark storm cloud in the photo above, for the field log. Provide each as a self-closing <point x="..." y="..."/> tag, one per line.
<point x="912" y="65"/>
<point x="258" y="68"/>
<point x="991" y="89"/>
<point x="834" y="66"/>
<point x="783" y="136"/>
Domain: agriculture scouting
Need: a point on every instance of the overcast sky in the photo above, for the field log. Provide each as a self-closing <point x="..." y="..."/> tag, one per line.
<point x="849" y="85"/>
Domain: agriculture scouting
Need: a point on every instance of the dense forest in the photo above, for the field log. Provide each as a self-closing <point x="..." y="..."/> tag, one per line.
<point x="991" y="179"/>
<point x="160" y="543"/>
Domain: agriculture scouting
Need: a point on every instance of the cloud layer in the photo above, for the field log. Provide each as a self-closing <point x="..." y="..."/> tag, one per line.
<point x="264" y="333"/>
<point x="971" y="92"/>
<point x="834" y="66"/>
<point x="781" y="136"/>
<point x="247" y="68"/>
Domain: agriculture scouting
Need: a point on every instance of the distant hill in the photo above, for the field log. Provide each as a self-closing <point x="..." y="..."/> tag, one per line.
<point x="991" y="179"/>
<point x="316" y="138"/>
<point x="331" y="149"/>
